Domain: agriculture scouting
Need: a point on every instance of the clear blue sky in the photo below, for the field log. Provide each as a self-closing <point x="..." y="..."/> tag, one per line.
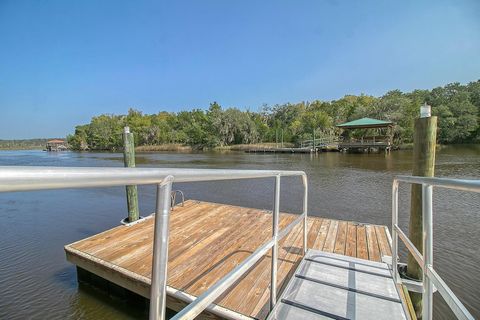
<point x="62" y="62"/>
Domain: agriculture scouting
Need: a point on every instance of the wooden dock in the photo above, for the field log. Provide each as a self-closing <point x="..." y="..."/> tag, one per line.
<point x="365" y="146"/>
<point x="281" y="150"/>
<point x="207" y="240"/>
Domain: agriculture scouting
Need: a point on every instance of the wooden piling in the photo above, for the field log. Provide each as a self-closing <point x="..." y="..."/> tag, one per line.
<point x="424" y="142"/>
<point x="129" y="160"/>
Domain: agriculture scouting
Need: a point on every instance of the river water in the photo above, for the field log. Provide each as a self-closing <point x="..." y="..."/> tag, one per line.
<point x="36" y="282"/>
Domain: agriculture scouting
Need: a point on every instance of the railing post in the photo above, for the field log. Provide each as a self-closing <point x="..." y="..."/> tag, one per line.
<point x="275" y="217"/>
<point x="305" y="209"/>
<point x="160" y="251"/>
<point x="394" y="230"/>
<point x="427" y="309"/>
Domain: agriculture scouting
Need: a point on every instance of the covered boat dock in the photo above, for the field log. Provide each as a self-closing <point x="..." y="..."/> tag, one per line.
<point x="380" y="138"/>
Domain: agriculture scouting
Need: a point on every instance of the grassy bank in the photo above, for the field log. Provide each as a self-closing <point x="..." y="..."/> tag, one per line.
<point x="164" y="147"/>
<point x="21" y="148"/>
<point x="23" y="144"/>
<point x="244" y="147"/>
<point x="186" y="148"/>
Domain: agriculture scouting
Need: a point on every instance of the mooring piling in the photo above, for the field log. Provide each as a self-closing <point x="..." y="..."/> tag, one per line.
<point x="424" y="144"/>
<point x="129" y="160"/>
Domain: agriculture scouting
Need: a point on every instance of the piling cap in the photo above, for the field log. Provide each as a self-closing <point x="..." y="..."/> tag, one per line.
<point x="126" y="129"/>
<point x="425" y="111"/>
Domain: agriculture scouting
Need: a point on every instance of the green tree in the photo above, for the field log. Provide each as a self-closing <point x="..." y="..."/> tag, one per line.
<point x="456" y="105"/>
<point x="78" y="141"/>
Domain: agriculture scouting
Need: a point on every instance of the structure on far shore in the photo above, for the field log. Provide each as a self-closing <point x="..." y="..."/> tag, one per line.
<point x="370" y="135"/>
<point x="56" y="145"/>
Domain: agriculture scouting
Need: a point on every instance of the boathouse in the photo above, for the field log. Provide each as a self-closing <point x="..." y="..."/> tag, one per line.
<point x="369" y="135"/>
<point x="56" y="145"/>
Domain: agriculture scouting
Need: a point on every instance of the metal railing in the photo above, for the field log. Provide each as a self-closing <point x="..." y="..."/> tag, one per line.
<point x="42" y="178"/>
<point x="321" y="141"/>
<point x="425" y="260"/>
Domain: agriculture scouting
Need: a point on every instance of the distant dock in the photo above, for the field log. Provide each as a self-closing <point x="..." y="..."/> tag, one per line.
<point x="56" y="145"/>
<point x="320" y="147"/>
<point x="280" y="150"/>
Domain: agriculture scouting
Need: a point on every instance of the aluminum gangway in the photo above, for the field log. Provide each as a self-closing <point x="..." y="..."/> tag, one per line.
<point x="332" y="286"/>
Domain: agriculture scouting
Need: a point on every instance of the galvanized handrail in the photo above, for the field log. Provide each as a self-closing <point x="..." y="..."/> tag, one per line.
<point x="15" y="178"/>
<point x="425" y="260"/>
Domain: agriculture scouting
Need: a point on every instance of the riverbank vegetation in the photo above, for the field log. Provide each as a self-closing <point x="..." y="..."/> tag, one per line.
<point x="23" y="144"/>
<point x="456" y="105"/>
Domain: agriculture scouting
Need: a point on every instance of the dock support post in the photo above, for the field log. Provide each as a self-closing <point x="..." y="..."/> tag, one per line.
<point x="423" y="165"/>
<point x="158" y="287"/>
<point x="275" y="217"/>
<point x="427" y="311"/>
<point x="394" y="231"/>
<point x="129" y="160"/>
<point x="305" y="218"/>
<point x="314" y="139"/>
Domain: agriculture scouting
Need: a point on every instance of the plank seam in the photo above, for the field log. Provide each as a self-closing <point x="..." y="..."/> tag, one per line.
<point x="374" y="295"/>
<point x="350" y="268"/>
<point x="313" y="310"/>
<point x="328" y="255"/>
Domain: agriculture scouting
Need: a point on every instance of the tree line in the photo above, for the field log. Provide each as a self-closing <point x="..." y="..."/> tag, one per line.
<point x="23" y="144"/>
<point x="456" y="105"/>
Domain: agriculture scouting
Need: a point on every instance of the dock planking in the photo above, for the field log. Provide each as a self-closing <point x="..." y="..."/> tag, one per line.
<point x="207" y="240"/>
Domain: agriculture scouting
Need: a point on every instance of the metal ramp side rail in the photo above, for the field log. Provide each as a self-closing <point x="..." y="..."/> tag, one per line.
<point x="332" y="286"/>
<point x="17" y="178"/>
<point x="425" y="260"/>
<point x="320" y="289"/>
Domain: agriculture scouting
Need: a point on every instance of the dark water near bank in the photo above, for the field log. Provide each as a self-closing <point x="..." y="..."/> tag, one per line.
<point x="37" y="283"/>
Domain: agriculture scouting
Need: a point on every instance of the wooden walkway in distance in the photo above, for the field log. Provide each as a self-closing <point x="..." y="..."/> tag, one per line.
<point x="207" y="240"/>
<point x="280" y="150"/>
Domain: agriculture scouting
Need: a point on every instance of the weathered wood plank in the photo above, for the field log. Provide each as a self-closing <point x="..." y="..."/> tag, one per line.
<point x="373" y="249"/>
<point x="362" y="248"/>
<point x="351" y="246"/>
<point x="329" y="245"/>
<point x="341" y="239"/>
<point x="382" y="241"/>
<point x="313" y="231"/>
<point x="322" y="235"/>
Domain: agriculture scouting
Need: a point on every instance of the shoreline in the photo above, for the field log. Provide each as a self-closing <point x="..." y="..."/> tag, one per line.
<point x="187" y="148"/>
<point x="23" y="148"/>
<point x="176" y="147"/>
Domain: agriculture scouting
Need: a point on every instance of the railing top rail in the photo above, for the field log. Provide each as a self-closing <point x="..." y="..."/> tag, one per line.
<point x="18" y="178"/>
<point x="457" y="184"/>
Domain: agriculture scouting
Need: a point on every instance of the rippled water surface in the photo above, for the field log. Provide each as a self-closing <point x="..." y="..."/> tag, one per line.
<point x="36" y="282"/>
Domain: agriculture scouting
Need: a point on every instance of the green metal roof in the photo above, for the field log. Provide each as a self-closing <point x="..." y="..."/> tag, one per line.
<point x="365" y="123"/>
